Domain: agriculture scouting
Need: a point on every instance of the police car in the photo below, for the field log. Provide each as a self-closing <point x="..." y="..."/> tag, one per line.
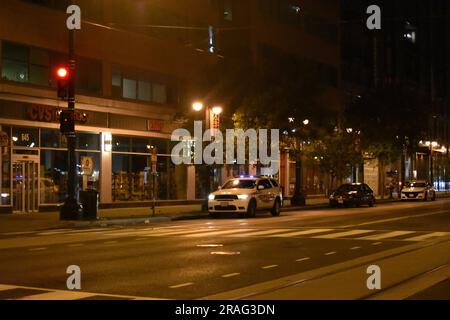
<point x="247" y="195"/>
<point x="418" y="190"/>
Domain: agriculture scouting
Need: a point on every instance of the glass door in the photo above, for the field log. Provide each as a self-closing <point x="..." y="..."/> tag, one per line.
<point x="25" y="186"/>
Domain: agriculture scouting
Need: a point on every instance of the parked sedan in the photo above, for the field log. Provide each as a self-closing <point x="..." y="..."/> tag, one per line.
<point x="355" y="194"/>
<point x="418" y="190"/>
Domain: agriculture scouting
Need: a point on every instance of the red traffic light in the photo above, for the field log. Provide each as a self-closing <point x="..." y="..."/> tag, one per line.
<point x="62" y="73"/>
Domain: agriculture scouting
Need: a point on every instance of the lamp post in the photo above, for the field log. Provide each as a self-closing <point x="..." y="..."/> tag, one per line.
<point x="299" y="197"/>
<point x="431" y="145"/>
<point x="214" y="112"/>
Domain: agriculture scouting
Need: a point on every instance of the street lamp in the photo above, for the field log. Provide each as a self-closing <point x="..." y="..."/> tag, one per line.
<point x="299" y="197"/>
<point x="197" y="106"/>
<point x="431" y="145"/>
<point x="213" y="112"/>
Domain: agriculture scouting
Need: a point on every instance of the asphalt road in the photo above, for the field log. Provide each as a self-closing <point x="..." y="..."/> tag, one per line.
<point x="195" y="259"/>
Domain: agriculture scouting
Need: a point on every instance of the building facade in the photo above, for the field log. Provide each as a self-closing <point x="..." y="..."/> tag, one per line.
<point x="130" y="85"/>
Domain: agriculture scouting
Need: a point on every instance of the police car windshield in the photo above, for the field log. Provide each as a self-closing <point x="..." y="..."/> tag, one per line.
<point x="416" y="185"/>
<point x="239" y="184"/>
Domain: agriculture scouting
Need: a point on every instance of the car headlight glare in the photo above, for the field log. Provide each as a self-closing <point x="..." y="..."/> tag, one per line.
<point x="211" y="197"/>
<point x="243" y="196"/>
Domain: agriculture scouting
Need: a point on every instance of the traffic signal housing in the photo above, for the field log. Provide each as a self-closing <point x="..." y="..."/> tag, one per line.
<point x="67" y="122"/>
<point x="63" y="80"/>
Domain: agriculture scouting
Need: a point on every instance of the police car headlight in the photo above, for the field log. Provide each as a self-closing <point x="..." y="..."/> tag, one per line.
<point x="243" y="196"/>
<point x="211" y="197"/>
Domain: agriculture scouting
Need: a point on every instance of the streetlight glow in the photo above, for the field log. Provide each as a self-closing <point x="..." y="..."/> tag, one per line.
<point x="306" y="122"/>
<point x="217" y="110"/>
<point x="197" y="106"/>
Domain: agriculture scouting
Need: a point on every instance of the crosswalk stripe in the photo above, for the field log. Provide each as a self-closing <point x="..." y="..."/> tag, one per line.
<point x="217" y="233"/>
<point x="59" y="295"/>
<point x="71" y="231"/>
<point x="174" y="233"/>
<point x="4" y="287"/>
<point x="343" y="234"/>
<point x="264" y="232"/>
<point x="300" y="233"/>
<point x="387" y="235"/>
<point x="428" y="236"/>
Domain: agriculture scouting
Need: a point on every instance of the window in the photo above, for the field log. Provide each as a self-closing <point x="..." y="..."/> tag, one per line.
<point x="132" y="176"/>
<point x="159" y="93"/>
<point x="88" y="141"/>
<point x="265" y="183"/>
<point x="130" y="86"/>
<point x="129" y="89"/>
<point x="34" y="65"/>
<point x="228" y="10"/>
<point x="145" y="91"/>
<point x="25" y="137"/>
<point x="15" y="62"/>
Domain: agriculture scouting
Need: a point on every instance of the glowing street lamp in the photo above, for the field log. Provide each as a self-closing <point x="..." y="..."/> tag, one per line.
<point x="217" y="110"/>
<point x="197" y="106"/>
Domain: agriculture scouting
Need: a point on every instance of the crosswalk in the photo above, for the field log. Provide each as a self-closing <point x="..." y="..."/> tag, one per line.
<point x="249" y="232"/>
<point x="10" y="292"/>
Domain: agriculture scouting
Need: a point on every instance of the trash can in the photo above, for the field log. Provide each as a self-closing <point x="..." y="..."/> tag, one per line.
<point x="89" y="200"/>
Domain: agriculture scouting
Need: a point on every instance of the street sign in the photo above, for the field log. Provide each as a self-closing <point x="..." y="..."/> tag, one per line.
<point x="87" y="166"/>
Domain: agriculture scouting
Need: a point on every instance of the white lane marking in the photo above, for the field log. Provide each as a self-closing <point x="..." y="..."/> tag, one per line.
<point x="181" y="285"/>
<point x="110" y="242"/>
<point x="75" y="245"/>
<point x="226" y="253"/>
<point x="175" y="233"/>
<point x="261" y="233"/>
<point x="386" y="235"/>
<point x="330" y="253"/>
<point x="17" y="233"/>
<point x="343" y="234"/>
<point x="270" y="267"/>
<point x="428" y="236"/>
<point x="303" y="259"/>
<point x="230" y="275"/>
<point x="301" y="233"/>
<point x="355" y="248"/>
<point x="59" y="295"/>
<point x="4" y="287"/>
<point x="72" y="231"/>
<point x="37" y="249"/>
<point x="394" y="219"/>
<point x="377" y="243"/>
<point x="212" y="245"/>
<point x="216" y="233"/>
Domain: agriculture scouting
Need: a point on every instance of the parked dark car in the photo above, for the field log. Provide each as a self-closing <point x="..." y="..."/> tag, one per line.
<point x="355" y="194"/>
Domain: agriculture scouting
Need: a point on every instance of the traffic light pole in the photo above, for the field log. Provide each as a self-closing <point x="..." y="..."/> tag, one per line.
<point x="71" y="210"/>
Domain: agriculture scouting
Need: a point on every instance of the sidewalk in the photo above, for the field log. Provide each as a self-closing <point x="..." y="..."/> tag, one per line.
<point x="17" y="223"/>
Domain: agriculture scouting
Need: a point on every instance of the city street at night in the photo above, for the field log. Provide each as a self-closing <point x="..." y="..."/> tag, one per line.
<point x="310" y="254"/>
<point x="228" y="159"/>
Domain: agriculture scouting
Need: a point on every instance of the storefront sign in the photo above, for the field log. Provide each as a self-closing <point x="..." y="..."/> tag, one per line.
<point x="87" y="166"/>
<point x="155" y="125"/>
<point x="4" y="140"/>
<point x="51" y="114"/>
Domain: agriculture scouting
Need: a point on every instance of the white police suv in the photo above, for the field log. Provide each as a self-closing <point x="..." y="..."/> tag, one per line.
<point x="247" y="195"/>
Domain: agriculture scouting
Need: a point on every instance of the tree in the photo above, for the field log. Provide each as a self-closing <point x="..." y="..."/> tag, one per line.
<point x="389" y="119"/>
<point x="335" y="154"/>
<point x="283" y="94"/>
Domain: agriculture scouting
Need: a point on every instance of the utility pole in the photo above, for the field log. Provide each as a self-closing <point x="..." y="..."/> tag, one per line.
<point x="71" y="210"/>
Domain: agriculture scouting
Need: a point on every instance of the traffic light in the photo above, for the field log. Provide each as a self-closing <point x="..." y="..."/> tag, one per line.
<point x="63" y="80"/>
<point x="67" y="122"/>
